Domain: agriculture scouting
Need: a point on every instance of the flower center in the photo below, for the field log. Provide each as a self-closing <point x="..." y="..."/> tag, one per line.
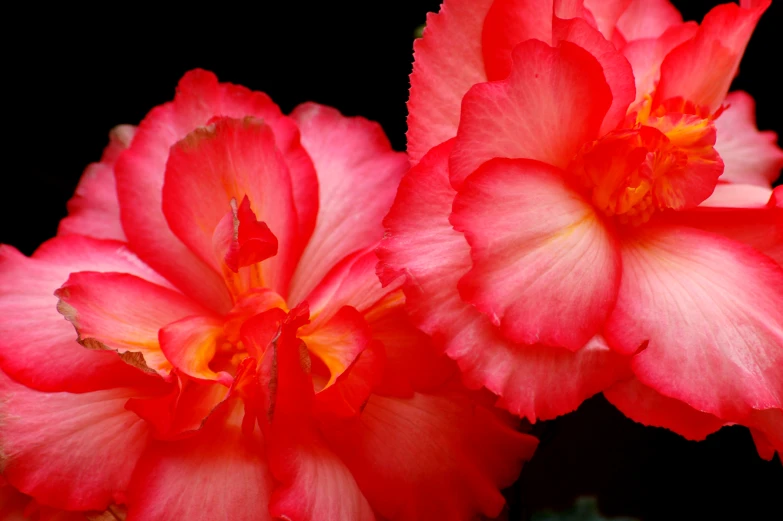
<point x="664" y="159"/>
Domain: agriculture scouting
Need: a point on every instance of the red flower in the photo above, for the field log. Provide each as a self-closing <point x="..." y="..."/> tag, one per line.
<point x="239" y="359"/>
<point x="590" y="212"/>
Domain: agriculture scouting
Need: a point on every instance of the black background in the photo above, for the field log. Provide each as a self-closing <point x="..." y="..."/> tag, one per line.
<point x="71" y="76"/>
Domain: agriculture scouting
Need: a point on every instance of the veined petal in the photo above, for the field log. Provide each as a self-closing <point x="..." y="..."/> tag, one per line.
<point x="553" y="102"/>
<point x="701" y="69"/>
<point x="37" y="346"/>
<point x="358" y="173"/>
<point x="230" y="160"/>
<point x="123" y="313"/>
<point x="219" y="474"/>
<point x="710" y="312"/>
<point x="749" y="156"/>
<point x="94" y="210"/>
<point x="545" y="266"/>
<point x="647" y="406"/>
<point x="430" y="456"/>
<point x="70" y="451"/>
<point x="447" y="62"/>
<point x="532" y="381"/>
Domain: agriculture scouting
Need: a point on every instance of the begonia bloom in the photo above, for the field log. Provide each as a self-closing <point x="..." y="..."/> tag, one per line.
<point x="590" y="211"/>
<point x="234" y="355"/>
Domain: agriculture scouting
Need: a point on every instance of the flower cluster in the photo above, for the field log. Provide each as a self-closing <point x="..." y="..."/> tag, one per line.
<point x="222" y="331"/>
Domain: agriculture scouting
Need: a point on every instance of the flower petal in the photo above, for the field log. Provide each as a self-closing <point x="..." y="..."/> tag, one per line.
<point x="710" y="311"/>
<point x="447" y="62"/>
<point x="767" y="431"/>
<point x="140" y="175"/>
<point x="219" y="474"/>
<point x="606" y="14"/>
<point x="647" y="19"/>
<point x="431" y="456"/>
<point x="545" y="267"/>
<point x="123" y="313"/>
<point x="533" y="381"/>
<point x="70" y="451"/>
<point x="552" y="103"/>
<point x="750" y="156"/>
<point x="645" y="405"/>
<point x="358" y="173"/>
<point x="94" y="210"/>
<point x="230" y="160"/>
<point x="191" y="343"/>
<point x="701" y="70"/>
<point x="37" y="346"/>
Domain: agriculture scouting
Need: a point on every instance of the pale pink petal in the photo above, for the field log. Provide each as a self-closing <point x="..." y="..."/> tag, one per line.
<point x="447" y="62"/>
<point x="647" y="19"/>
<point x="552" y="103"/>
<point x="37" y="345"/>
<point x="71" y="451"/>
<point x="533" y="381"/>
<point x="606" y="14"/>
<point x="431" y="456"/>
<point x="219" y="474"/>
<point x="710" y="312"/>
<point x="702" y="69"/>
<point x="749" y="156"/>
<point x="728" y="195"/>
<point x="94" y="210"/>
<point x="140" y="175"/>
<point x="358" y="173"/>
<point x="545" y="265"/>
<point x="647" y="406"/>
<point x="231" y="159"/>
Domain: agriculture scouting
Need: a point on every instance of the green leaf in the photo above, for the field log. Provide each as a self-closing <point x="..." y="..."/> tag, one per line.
<point x="584" y="509"/>
<point x="419" y="31"/>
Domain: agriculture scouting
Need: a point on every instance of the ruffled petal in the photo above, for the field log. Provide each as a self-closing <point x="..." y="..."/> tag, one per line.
<point x="230" y="160"/>
<point x="447" y="62"/>
<point x="94" y="210"/>
<point x="431" y="456"/>
<point x="219" y="474"/>
<point x="645" y="405"/>
<point x="701" y="70"/>
<point x="70" y="451"/>
<point x="140" y="174"/>
<point x="37" y="346"/>
<point x="123" y="313"/>
<point x="532" y="381"/>
<point x="358" y="173"/>
<point x="710" y="312"/>
<point x="749" y="156"/>
<point x="545" y="266"/>
<point x="553" y="102"/>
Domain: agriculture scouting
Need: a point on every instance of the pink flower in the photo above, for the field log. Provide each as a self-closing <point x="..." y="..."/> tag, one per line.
<point x="589" y="211"/>
<point x="239" y="359"/>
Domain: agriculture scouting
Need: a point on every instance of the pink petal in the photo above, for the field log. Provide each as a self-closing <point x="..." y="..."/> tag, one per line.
<point x="702" y="69"/>
<point x="38" y="347"/>
<point x="431" y="457"/>
<point x="728" y="195"/>
<point x="552" y="103"/>
<point x="647" y="54"/>
<point x="71" y="451"/>
<point x="351" y="390"/>
<point x="358" y="173"/>
<point x="190" y="344"/>
<point x="508" y="23"/>
<point x="647" y="19"/>
<point x="606" y="14"/>
<point x="545" y="267"/>
<point x="749" y="156"/>
<point x="231" y="159"/>
<point x="767" y="431"/>
<point x="94" y="210"/>
<point x="123" y="313"/>
<point x="447" y="62"/>
<point x="219" y="474"/>
<point x="709" y="310"/>
<point x="533" y="381"/>
<point x="645" y="405"/>
<point x="617" y="71"/>
<point x="140" y="175"/>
